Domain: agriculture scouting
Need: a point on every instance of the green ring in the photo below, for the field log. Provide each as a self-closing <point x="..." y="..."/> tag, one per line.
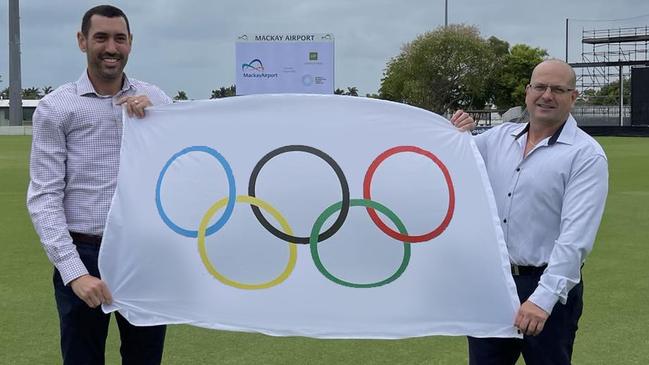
<point x="313" y="241"/>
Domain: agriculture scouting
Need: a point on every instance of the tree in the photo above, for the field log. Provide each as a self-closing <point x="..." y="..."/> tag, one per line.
<point x="608" y="94"/>
<point x="181" y="95"/>
<point x="47" y="89"/>
<point x="224" y="92"/>
<point x="351" y="91"/>
<point x="441" y="70"/>
<point x="499" y="47"/>
<point x="32" y="93"/>
<point x="509" y="80"/>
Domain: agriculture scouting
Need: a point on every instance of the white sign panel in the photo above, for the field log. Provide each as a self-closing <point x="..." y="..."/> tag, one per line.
<point x="285" y="63"/>
<point x="309" y="215"/>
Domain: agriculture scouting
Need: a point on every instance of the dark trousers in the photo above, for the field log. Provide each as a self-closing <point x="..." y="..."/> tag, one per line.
<point x="552" y="346"/>
<point x="84" y="329"/>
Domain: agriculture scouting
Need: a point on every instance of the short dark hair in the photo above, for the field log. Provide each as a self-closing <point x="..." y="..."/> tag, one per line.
<point x="108" y="11"/>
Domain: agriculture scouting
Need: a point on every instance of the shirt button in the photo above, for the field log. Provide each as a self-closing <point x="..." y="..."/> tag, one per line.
<point x="505" y="220"/>
<point x="518" y="169"/>
<point x="509" y="194"/>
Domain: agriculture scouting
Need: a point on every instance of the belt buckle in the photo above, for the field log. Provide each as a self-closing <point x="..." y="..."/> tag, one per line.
<point x="515" y="271"/>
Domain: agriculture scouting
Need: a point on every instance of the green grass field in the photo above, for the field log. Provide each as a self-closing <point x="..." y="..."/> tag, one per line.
<point x="612" y="329"/>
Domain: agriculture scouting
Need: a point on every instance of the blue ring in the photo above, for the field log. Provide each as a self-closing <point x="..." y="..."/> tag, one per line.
<point x="231" y="193"/>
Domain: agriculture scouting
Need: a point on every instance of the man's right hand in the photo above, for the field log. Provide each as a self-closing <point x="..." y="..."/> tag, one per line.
<point x="93" y="291"/>
<point x="463" y="121"/>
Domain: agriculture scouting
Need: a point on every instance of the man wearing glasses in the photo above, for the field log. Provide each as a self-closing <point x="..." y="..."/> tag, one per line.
<point x="550" y="181"/>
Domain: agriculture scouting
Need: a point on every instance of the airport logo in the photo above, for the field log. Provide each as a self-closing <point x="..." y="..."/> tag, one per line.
<point x="255" y="65"/>
<point x="255" y="69"/>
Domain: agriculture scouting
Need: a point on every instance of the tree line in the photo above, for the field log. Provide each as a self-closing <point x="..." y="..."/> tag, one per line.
<point x="31" y="93"/>
<point x="224" y="92"/>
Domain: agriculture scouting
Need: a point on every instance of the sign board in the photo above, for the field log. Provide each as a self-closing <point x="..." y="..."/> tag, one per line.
<point x="285" y="63"/>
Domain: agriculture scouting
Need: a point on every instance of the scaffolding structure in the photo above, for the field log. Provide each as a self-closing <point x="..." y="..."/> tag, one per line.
<point x="607" y="57"/>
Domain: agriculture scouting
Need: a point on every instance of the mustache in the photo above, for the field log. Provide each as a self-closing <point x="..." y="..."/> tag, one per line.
<point x="111" y="55"/>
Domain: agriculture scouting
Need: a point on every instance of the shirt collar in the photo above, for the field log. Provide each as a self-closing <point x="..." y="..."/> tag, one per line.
<point x="565" y="134"/>
<point x="84" y="86"/>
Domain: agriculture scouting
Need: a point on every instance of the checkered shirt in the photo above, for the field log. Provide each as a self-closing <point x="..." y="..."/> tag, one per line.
<point x="74" y="163"/>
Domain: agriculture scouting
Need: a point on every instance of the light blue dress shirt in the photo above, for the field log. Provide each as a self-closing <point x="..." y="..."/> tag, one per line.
<point x="550" y="203"/>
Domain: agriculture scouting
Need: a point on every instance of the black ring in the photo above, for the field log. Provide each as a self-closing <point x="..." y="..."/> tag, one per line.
<point x="343" y="184"/>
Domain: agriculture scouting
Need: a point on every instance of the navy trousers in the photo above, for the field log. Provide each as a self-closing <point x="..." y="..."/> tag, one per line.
<point x="84" y="329"/>
<point x="552" y="346"/>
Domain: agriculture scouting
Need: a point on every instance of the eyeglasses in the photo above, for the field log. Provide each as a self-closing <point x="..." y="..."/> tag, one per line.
<point x="554" y="89"/>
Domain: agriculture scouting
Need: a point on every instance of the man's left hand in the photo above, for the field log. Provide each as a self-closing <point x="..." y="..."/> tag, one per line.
<point x="530" y="319"/>
<point x="135" y="104"/>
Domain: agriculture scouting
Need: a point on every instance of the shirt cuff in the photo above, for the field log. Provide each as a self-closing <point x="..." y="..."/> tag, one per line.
<point x="544" y="299"/>
<point x="71" y="269"/>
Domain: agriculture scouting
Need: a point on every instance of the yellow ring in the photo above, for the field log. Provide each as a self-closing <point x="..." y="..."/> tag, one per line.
<point x="265" y="206"/>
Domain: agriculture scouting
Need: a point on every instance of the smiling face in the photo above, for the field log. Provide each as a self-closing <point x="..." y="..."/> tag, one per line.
<point x="107" y="45"/>
<point x="551" y="107"/>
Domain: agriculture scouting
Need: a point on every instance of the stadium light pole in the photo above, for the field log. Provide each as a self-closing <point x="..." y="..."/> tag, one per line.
<point x="445" y="13"/>
<point x="566" y="39"/>
<point x="15" y="88"/>
<point x="621" y="97"/>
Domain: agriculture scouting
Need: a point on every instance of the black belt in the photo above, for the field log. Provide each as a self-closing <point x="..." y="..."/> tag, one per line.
<point x="518" y="270"/>
<point x="86" y="238"/>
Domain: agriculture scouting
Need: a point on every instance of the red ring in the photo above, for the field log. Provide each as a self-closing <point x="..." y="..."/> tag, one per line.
<point x="375" y="218"/>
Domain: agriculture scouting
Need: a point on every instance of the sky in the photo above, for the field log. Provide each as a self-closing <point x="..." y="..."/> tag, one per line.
<point x="189" y="45"/>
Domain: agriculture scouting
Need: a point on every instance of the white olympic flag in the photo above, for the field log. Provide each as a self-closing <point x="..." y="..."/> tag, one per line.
<point x="285" y="63"/>
<point x="310" y="215"/>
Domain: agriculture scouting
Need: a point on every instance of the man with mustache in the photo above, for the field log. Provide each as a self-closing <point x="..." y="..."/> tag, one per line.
<point x="550" y="181"/>
<point x="74" y="163"/>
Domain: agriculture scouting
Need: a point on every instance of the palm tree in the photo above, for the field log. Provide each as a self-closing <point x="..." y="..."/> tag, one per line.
<point x="352" y="91"/>
<point x="181" y="95"/>
<point x="32" y="93"/>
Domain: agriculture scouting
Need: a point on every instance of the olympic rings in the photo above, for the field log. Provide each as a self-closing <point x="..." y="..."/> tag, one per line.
<point x="343" y="184"/>
<point x="315" y="237"/>
<point x="355" y="203"/>
<point x="389" y="231"/>
<point x="267" y="207"/>
<point x="231" y="192"/>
